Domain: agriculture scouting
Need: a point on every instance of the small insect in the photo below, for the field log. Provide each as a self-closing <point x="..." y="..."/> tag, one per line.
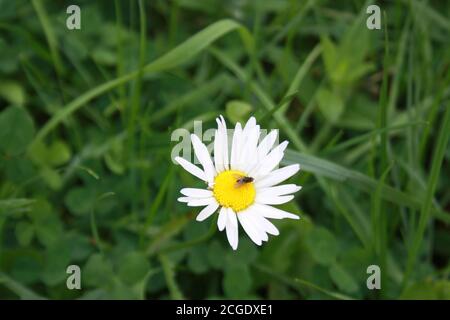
<point x="241" y="180"/>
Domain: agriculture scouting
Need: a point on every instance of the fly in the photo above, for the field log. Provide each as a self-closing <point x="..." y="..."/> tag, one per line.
<point x="241" y="180"/>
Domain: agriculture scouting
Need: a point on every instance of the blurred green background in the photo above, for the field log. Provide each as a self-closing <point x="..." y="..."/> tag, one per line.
<point x="86" y="118"/>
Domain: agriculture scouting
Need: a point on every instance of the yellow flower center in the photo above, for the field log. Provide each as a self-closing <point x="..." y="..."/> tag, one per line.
<point x="232" y="191"/>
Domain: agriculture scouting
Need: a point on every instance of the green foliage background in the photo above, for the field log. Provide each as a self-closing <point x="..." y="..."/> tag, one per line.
<point x="86" y="118"/>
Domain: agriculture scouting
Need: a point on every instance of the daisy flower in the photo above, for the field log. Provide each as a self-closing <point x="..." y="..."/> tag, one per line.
<point x="242" y="181"/>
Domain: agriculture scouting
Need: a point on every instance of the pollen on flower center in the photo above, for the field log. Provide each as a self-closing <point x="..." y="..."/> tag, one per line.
<point x="231" y="194"/>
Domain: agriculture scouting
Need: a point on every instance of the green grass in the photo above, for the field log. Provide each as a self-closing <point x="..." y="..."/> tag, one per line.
<point x="86" y="118"/>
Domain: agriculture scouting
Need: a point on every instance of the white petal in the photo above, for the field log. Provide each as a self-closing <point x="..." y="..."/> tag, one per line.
<point x="235" y="146"/>
<point x="254" y="219"/>
<point x="226" y="160"/>
<point x="203" y="156"/>
<point x="221" y="146"/>
<point x="249" y="157"/>
<point x="184" y="199"/>
<point x="279" y="190"/>
<point x="192" y="169"/>
<point x="267" y="199"/>
<point x="200" y="202"/>
<point x="221" y="222"/>
<point x="268" y="163"/>
<point x="207" y="211"/>
<point x="196" y="193"/>
<point x="267" y="144"/>
<point x="231" y="216"/>
<point x="273" y="213"/>
<point x="267" y="225"/>
<point x="242" y="151"/>
<point x="248" y="227"/>
<point x="277" y="176"/>
<point x="232" y="229"/>
<point x="218" y="156"/>
<point x="251" y="122"/>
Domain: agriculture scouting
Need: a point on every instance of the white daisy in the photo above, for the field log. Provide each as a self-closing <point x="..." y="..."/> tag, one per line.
<point x="243" y="184"/>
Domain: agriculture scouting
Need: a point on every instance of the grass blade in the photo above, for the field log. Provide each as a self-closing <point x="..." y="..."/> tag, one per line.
<point x="426" y="209"/>
<point x="19" y="289"/>
<point x="173" y="58"/>
<point x="175" y="292"/>
<point x="363" y="182"/>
